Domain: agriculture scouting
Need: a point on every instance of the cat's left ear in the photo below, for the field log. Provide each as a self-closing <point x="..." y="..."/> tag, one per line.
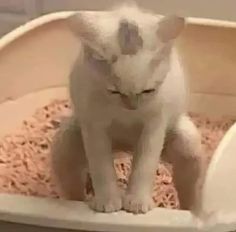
<point x="170" y="27"/>
<point x="82" y="27"/>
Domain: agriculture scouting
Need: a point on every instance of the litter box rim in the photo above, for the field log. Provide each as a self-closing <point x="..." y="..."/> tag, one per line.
<point x="100" y="222"/>
<point x="62" y="15"/>
<point x="77" y="215"/>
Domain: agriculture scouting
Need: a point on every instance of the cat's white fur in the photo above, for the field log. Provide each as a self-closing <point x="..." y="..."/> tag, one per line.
<point x="101" y="122"/>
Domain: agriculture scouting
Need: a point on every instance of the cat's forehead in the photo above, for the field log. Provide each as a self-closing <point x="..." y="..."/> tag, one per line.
<point x="126" y="31"/>
<point x="133" y="72"/>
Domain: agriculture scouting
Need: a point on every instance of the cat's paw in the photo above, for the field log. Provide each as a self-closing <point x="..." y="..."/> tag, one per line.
<point x="137" y="204"/>
<point x="106" y="204"/>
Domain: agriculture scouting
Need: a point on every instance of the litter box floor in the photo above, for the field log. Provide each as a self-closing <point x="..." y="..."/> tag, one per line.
<point x="25" y="155"/>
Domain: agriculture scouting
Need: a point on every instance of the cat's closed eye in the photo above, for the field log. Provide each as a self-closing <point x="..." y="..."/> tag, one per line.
<point x="146" y="91"/>
<point x="116" y="92"/>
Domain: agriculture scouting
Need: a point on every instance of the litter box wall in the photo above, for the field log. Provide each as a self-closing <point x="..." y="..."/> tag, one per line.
<point x="207" y="48"/>
<point x="35" y="61"/>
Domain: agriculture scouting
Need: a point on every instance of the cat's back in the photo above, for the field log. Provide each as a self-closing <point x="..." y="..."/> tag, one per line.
<point x="174" y="92"/>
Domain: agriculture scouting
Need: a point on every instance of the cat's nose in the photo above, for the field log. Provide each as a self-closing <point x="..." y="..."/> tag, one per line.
<point x="131" y="102"/>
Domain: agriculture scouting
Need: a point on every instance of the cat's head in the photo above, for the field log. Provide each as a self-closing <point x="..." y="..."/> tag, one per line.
<point x="128" y="49"/>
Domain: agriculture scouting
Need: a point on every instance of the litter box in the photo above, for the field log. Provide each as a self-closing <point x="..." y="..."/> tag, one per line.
<point x="35" y="60"/>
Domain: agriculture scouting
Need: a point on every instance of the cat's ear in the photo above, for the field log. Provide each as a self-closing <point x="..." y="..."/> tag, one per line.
<point x="170" y="27"/>
<point x="82" y="27"/>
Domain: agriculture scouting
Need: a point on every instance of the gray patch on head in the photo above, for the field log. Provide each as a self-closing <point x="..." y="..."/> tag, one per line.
<point x="128" y="38"/>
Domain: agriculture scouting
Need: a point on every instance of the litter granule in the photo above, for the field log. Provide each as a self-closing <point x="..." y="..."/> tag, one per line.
<point x="25" y="156"/>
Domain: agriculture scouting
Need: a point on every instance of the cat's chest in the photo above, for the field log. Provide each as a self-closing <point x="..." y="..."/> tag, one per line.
<point x="126" y="127"/>
<point x="127" y="118"/>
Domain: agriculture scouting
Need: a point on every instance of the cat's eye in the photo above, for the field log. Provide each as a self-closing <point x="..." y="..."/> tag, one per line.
<point x="114" y="91"/>
<point x="146" y="91"/>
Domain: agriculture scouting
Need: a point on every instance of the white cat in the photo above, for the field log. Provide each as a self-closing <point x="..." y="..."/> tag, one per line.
<point x="128" y="92"/>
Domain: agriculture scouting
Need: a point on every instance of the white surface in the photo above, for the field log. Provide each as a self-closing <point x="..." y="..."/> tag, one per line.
<point x="220" y="186"/>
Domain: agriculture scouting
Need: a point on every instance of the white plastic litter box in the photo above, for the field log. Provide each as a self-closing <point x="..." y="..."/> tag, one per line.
<point x="35" y="60"/>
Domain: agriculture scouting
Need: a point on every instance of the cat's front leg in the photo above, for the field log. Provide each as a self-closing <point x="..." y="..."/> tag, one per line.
<point x="99" y="154"/>
<point x="138" y="198"/>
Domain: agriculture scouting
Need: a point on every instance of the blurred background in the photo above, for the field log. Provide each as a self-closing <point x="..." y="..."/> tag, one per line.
<point x="16" y="12"/>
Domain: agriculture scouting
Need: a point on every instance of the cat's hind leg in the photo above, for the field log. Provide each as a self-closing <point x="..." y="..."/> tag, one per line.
<point x="183" y="149"/>
<point x="68" y="162"/>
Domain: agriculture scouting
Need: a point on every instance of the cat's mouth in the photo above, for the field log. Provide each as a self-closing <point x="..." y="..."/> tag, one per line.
<point x="131" y="108"/>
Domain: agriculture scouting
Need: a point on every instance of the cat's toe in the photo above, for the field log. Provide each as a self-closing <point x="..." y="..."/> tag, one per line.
<point x="137" y="204"/>
<point x="106" y="205"/>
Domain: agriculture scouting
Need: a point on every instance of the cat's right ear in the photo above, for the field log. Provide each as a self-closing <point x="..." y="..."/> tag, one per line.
<point x="82" y="27"/>
<point x="170" y="27"/>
